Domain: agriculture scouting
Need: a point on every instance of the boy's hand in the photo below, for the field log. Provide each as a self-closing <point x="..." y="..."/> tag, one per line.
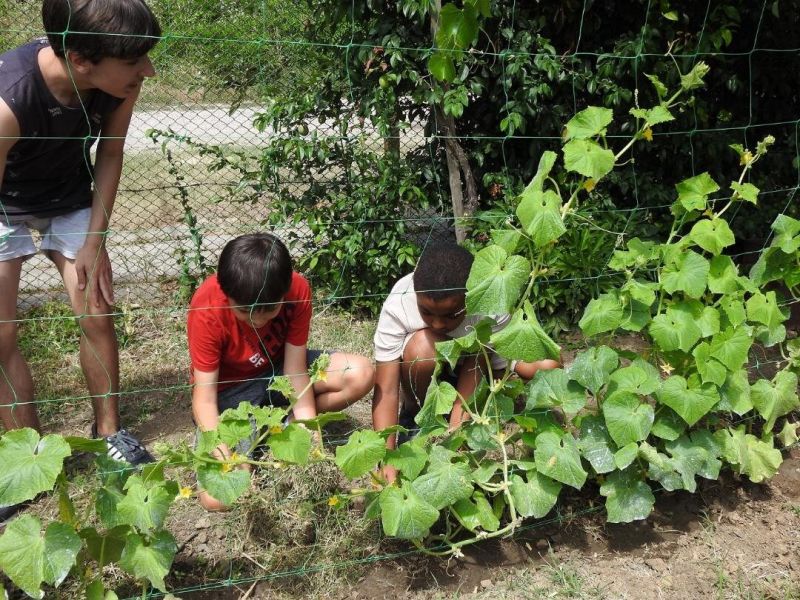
<point x="93" y="266"/>
<point x="389" y="473"/>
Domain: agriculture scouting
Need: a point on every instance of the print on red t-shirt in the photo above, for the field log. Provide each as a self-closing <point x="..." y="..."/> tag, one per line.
<point x="218" y="340"/>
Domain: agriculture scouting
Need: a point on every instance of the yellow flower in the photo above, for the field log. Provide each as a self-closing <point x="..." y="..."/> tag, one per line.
<point x="746" y="157"/>
<point x="275" y="429"/>
<point x="589" y="184"/>
<point x="235" y="457"/>
<point x="226" y="467"/>
<point x="333" y="501"/>
<point x="667" y="368"/>
<point x="648" y="134"/>
<point x="185" y="492"/>
<point x="322" y="375"/>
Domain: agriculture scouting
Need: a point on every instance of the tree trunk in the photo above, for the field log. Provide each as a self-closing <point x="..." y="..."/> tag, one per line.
<point x="457" y="162"/>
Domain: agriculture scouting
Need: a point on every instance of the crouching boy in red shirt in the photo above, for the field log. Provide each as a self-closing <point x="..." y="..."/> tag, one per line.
<point x="248" y="324"/>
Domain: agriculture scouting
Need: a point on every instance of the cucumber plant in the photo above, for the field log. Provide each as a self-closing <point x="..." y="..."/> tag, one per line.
<point x="682" y="407"/>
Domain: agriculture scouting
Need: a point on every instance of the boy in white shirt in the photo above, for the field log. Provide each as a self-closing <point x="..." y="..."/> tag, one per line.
<point x="423" y="308"/>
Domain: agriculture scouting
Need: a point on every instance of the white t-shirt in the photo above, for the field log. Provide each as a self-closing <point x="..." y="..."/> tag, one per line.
<point x="400" y="319"/>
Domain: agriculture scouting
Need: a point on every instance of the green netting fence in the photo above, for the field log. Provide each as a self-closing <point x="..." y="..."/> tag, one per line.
<point x="223" y="65"/>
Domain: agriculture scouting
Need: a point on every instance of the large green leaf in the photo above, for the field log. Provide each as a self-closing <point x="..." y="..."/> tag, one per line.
<point x="362" y="453"/>
<point x="668" y="425"/>
<point x="444" y="485"/>
<point x="757" y="459"/>
<point x="628" y="419"/>
<point x="691" y="402"/>
<point x="553" y="387"/>
<point x="536" y="496"/>
<point x="695" y="455"/>
<point x="496" y="281"/>
<point x="144" y="508"/>
<point x="712" y="235"/>
<point x="735" y="394"/>
<point x="442" y="67"/>
<point x="640" y="378"/>
<point x="588" y="123"/>
<point x="604" y="313"/>
<point x="596" y="444"/>
<point x="546" y="162"/>
<point x="588" y="158"/>
<point x="688" y="273"/>
<point x="628" y="498"/>
<point x="439" y="400"/>
<point x="731" y="347"/>
<point x="777" y="398"/>
<point x="404" y="515"/>
<point x="592" y="367"/>
<point x="524" y="339"/>
<point x="540" y="215"/>
<point x="722" y="275"/>
<point x="693" y="192"/>
<point x="677" y="329"/>
<point x="476" y="512"/>
<point x="293" y="444"/>
<point x="557" y="456"/>
<point x="409" y="458"/>
<point x="710" y="370"/>
<point x="764" y="308"/>
<point x="787" y="234"/>
<point x="22" y="554"/>
<point x="222" y="482"/>
<point x="149" y="558"/>
<point x="107" y="547"/>
<point x="29" y="559"/>
<point x="457" y="27"/>
<point x="661" y="468"/>
<point x="30" y="464"/>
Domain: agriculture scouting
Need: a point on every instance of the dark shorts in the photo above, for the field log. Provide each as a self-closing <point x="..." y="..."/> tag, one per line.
<point x="255" y="391"/>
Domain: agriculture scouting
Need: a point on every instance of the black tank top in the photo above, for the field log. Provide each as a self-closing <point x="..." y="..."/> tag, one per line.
<point x="48" y="170"/>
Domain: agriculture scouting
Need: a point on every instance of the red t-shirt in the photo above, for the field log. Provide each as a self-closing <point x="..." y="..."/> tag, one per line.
<point x="218" y="340"/>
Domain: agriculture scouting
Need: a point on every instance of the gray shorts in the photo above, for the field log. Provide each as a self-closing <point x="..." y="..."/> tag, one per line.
<point x="64" y="234"/>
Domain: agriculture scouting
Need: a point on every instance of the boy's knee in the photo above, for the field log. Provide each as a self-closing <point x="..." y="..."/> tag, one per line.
<point x="422" y="345"/>
<point x="94" y="325"/>
<point x="8" y="340"/>
<point x="211" y="504"/>
<point x="359" y="376"/>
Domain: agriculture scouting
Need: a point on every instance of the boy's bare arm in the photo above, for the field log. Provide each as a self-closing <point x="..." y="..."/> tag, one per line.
<point x="469" y="375"/>
<point x="204" y="405"/>
<point x="295" y="367"/>
<point x="9" y="134"/>
<point x="386" y="397"/>
<point x="92" y="263"/>
<point x="527" y="370"/>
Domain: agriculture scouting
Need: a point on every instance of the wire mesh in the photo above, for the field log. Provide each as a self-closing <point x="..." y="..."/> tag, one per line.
<point x="220" y="62"/>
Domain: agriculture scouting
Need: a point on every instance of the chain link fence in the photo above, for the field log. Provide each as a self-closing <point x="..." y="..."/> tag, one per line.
<point x="205" y="93"/>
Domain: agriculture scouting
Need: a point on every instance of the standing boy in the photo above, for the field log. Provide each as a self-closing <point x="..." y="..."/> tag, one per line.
<point x="423" y="308"/>
<point x="57" y="96"/>
<point x="250" y="323"/>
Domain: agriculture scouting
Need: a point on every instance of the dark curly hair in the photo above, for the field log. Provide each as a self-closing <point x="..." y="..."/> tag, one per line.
<point x="442" y="270"/>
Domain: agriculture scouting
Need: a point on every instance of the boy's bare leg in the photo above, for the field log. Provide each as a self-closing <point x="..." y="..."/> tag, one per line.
<point x="16" y="385"/>
<point x="350" y="378"/>
<point x="416" y="369"/>
<point x="99" y="353"/>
